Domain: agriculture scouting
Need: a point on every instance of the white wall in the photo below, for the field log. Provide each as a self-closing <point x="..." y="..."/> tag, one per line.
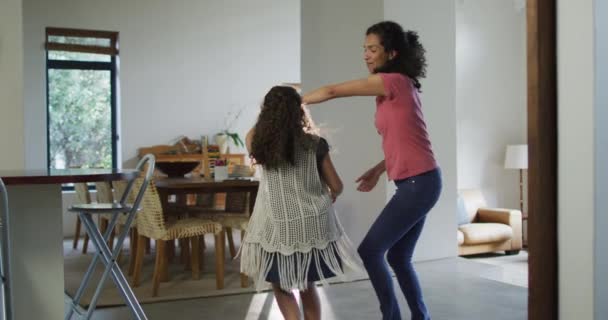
<point x="332" y="37"/>
<point x="601" y="158"/>
<point x="576" y="159"/>
<point x="183" y="64"/>
<point x="491" y="95"/>
<point x="11" y="86"/>
<point x="435" y="22"/>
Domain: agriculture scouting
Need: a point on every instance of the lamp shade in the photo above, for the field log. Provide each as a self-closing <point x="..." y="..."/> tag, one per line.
<point x="516" y="157"/>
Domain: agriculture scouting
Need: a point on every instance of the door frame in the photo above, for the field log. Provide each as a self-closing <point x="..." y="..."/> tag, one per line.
<point x="542" y="159"/>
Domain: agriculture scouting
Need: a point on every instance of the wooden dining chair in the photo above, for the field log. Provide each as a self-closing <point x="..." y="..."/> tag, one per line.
<point x="234" y="215"/>
<point x="83" y="196"/>
<point x="153" y="224"/>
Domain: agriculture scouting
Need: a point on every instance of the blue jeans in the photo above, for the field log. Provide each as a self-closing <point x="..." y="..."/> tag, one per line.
<point x="396" y="230"/>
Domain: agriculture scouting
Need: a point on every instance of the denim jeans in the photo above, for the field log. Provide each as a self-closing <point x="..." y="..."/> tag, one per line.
<point x="396" y="231"/>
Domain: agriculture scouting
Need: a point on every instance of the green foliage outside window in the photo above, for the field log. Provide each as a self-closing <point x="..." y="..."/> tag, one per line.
<point x="80" y="131"/>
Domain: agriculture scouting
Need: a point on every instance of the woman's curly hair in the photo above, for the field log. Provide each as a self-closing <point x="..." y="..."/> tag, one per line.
<point x="283" y="126"/>
<point x="410" y="59"/>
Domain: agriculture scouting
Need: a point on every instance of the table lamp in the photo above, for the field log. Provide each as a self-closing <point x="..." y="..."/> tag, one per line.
<point x="516" y="157"/>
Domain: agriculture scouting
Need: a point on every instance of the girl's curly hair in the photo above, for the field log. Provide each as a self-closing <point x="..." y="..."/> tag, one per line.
<point x="283" y="126"/>
<point x="410" y="60"/>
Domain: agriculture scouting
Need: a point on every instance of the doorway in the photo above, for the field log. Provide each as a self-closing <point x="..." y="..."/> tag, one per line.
<point x="542" y="160"/>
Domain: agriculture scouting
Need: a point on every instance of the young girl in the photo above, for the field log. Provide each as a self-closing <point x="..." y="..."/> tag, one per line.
<point x="294" y="237"/>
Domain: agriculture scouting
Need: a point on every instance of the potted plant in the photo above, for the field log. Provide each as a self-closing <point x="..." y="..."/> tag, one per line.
<point x="223" y="138"/>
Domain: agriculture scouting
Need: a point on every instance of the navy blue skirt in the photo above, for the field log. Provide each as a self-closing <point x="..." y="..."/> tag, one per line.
<point x="314" y="273"/>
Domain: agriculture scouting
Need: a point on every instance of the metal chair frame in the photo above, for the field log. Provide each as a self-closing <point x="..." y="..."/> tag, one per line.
<point x="109" y="255"/>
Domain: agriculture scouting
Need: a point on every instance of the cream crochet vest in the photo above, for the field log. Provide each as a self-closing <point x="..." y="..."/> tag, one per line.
<point x="293" y="209"/>
<point x="294" y="226"/>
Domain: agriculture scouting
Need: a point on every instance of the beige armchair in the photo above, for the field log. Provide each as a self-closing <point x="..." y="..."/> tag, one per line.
<point x="488" y="229"/>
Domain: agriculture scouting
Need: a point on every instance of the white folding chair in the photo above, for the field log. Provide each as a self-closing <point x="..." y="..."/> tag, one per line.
<point x="7" y="312"/>
<point x="109" y="255"/>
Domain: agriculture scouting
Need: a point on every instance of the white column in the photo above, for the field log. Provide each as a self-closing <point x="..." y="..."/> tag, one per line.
<point x="333" y="33"/>
<point x="576" y="158"/>
<point x="11" y="85"/>
<point x="435" y="21"/>
<point x="601" y="158"/>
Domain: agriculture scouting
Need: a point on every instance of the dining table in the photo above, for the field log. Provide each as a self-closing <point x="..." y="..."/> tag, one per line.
<point x="35" y="236"/>
<point x="182" y="186"/>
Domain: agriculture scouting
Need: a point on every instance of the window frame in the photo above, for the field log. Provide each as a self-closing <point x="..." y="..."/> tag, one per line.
<point x="111" y="66"/>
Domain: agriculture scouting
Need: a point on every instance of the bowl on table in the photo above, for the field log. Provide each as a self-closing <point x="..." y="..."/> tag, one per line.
<point x="176" y="169"/>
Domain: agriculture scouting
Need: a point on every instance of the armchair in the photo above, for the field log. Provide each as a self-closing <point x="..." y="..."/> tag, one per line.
<point x="487" y="229"/>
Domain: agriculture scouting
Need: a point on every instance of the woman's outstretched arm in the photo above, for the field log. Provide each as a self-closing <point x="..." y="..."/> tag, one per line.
<point x="370" y="86"/>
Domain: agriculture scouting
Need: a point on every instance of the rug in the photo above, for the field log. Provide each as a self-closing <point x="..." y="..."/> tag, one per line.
<point x="180" y="285"/>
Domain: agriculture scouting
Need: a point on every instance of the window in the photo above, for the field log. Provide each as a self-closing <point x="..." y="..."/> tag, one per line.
<point x="81" y="98"/>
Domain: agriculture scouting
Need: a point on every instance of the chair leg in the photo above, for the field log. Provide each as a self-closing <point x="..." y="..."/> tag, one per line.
<point x="164" y="262"/>
<point x="156" y="278"/>
<point x="116" y="231"/>
<point x="201" y="251"/>
<point x="219" y="260"/>
<point x="76" y="234"/>
<point x="171" y="250"/>
<point x="133" y="248"/>
<point x="185" y="252"/>
<point x="103" y="226"/>
<point x="194" y="258"/>
<point x="244" y="278"/>
<point x="139" y="260"/>
<point x="112" y="238"/>
<point x="148" y="246"/>
<point x="85" y="243"/>
<point x="230" y="242"/>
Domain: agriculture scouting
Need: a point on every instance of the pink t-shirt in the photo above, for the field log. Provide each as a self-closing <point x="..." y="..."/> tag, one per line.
<point x="399" y="120"/>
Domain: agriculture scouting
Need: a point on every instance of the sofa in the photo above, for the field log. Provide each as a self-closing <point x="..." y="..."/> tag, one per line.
<point x="482" y="229"/>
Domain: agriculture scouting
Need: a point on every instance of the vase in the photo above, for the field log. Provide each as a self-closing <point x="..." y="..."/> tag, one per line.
<point x="220" y="173"/>
<point x="222" y="142"/>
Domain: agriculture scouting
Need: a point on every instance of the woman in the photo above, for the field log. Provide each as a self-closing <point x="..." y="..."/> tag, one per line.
<point x="396" y="62"/>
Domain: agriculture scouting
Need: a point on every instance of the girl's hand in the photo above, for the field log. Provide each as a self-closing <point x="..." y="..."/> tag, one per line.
<point x="368" y="180"/>
<point x="333" y="196"/>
